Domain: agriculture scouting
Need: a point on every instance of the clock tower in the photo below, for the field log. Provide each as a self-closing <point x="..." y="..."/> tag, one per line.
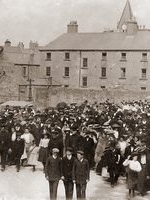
<point x="127" y="21"/>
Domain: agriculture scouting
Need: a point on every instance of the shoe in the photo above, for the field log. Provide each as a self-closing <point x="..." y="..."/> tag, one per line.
<point x="2" y="169"/>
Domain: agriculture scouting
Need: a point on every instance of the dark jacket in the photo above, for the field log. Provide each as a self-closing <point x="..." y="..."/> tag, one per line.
<point x="128" y="151"/>
<point x="53" y="168"/>
<point x="56" y="143"/>
<point x="67" y="167"/>
<point x="18" y="147"/>
<point x="81" y="171"/>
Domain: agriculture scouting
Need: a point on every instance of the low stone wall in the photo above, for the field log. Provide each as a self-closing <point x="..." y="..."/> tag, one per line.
<point x="51" y="96"/>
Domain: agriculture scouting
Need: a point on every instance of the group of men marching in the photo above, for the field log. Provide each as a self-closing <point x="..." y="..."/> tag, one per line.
<point x="71" y="140"/>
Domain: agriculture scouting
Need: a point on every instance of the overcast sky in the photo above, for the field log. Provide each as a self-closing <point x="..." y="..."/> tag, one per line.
<point x="44" y="20"/>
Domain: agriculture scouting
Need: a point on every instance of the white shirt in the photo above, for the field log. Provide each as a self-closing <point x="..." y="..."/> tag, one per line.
<point x="44" y="142"/>
<point x="143" y="159"/>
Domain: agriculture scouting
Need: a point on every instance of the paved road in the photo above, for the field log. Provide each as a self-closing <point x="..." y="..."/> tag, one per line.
<point x="28" y="185"/>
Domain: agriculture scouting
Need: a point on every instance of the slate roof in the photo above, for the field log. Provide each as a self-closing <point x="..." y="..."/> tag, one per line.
<point x="109" y="41"/>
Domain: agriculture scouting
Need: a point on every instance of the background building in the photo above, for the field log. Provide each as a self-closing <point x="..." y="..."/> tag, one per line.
<point x="111" y="59"/>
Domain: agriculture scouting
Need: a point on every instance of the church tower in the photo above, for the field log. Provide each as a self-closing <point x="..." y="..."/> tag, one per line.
<point x="127" y="21"/>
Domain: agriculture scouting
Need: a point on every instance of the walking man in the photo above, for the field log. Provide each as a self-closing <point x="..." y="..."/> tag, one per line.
<point x="53" y="172"/>
<point x="67" y="167"/>
<point x="81" y="174"/>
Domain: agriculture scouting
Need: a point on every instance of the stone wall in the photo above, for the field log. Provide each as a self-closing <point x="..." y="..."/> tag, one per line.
<point x="52" y="96"/>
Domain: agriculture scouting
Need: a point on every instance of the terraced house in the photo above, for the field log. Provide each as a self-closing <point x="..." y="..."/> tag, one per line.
<point x="107" y="60"/>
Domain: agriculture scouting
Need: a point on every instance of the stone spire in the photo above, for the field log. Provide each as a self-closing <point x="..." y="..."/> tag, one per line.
<point x="127" y="15"/>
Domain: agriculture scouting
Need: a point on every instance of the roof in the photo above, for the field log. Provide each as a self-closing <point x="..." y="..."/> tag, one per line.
<point x="120" y="41"/>
<point x="21" y="56"/>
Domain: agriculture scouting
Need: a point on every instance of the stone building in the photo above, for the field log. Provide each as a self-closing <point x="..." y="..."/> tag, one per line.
<point x="17" y="66"/>
<point x="107" y="60"/>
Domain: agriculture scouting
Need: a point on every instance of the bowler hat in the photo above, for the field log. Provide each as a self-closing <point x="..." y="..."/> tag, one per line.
<point x="80" y="152"/>
<point x="69" y="149"/>
<point x="55" y="150"/>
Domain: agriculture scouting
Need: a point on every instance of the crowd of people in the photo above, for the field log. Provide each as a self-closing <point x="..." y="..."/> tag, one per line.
<point x="69" y="140"/>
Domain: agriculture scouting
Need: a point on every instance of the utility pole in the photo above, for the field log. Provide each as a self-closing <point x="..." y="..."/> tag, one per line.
<point x="30" y="90"/>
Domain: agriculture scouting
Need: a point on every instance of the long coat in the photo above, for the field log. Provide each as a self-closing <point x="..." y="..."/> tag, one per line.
<point x="67" y="167"/>
<point x="53" y="168"/>
<point x="81" y="171"/>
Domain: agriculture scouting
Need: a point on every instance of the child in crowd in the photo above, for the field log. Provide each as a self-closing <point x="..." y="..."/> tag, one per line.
<point x="33" y="155"/>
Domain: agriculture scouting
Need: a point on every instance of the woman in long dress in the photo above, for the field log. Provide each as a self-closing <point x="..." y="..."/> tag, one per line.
<point x="33" y="156"/>
<point x="43" y="152"/>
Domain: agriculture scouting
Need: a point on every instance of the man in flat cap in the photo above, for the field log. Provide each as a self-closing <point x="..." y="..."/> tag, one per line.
<point x="67" y="167"/>
<point x="53" y="172"/>
<point x="81" y="174"/>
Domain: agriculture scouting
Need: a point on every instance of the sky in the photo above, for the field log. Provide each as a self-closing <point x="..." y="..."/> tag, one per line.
<point x="44" y="20"/>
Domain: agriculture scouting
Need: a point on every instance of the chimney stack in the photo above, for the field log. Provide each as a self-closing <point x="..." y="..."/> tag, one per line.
<point x="7" y="43"/>
<point x="72" y="27"/>
<point x="33" y="45"/>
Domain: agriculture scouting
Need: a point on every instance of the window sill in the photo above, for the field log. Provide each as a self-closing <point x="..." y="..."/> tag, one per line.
<point x="143" y="79"/>
<point x="83" y="86"/>
<point x="144" y="61"/>
<point x="103" y="77"/>
<point x="84" y="68"/>
<point x="48" y="59"/>
<point x="66" y="76"/>
<point x="66" y="59"/>
<point x="123" y="60"/>
<point x="104" y="60"/>
<point x="123" y="78"/>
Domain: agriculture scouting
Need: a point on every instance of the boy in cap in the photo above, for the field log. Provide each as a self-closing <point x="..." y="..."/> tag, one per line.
<point x="81" y="174"/>
<point x="67" y="167"/>
<point x="53" y="172"/>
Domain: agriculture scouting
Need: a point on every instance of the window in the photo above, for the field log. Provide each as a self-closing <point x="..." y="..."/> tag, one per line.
<point x="143" y="88"/>
<point x="66" y="86"/>
<point x="48" y="71"/>
<point x="123" y="72"/>
<point x="67" y="56"/>
<point x="103" y="87"/>
<point x="48" y="56"/>
<point x="103" y="72"/>
<point x="144" y="56"/>
<point x="104" y="55"/>
<point x="85" y="62"/>
<point x="66" y="71"/>
<point x="143" y="73"/>
<point x="24" y="73"/>
<point x="123" y="56"/>
<point x="84" y="81"/>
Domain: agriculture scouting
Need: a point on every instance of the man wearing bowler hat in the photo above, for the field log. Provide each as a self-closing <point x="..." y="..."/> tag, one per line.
<point x="81" y="175"/>
<point x="67" y="167"/>
<point x="53" y="172"/>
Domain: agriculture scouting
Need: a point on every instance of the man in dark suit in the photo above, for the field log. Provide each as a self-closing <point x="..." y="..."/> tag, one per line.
<point x="81" y="175"/>
<point x="4" y="146"/>
<point x="18" y="149"/>
<point x="53" y="172"/>
<point x="88" y="148"/>
<point x="67" y="167"/>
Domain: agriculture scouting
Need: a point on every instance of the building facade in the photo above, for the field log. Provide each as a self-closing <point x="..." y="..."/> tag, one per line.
<point x="107" y="60"/>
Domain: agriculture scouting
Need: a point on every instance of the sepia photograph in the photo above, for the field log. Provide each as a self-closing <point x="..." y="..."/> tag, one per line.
<point x="74" y="100"/>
